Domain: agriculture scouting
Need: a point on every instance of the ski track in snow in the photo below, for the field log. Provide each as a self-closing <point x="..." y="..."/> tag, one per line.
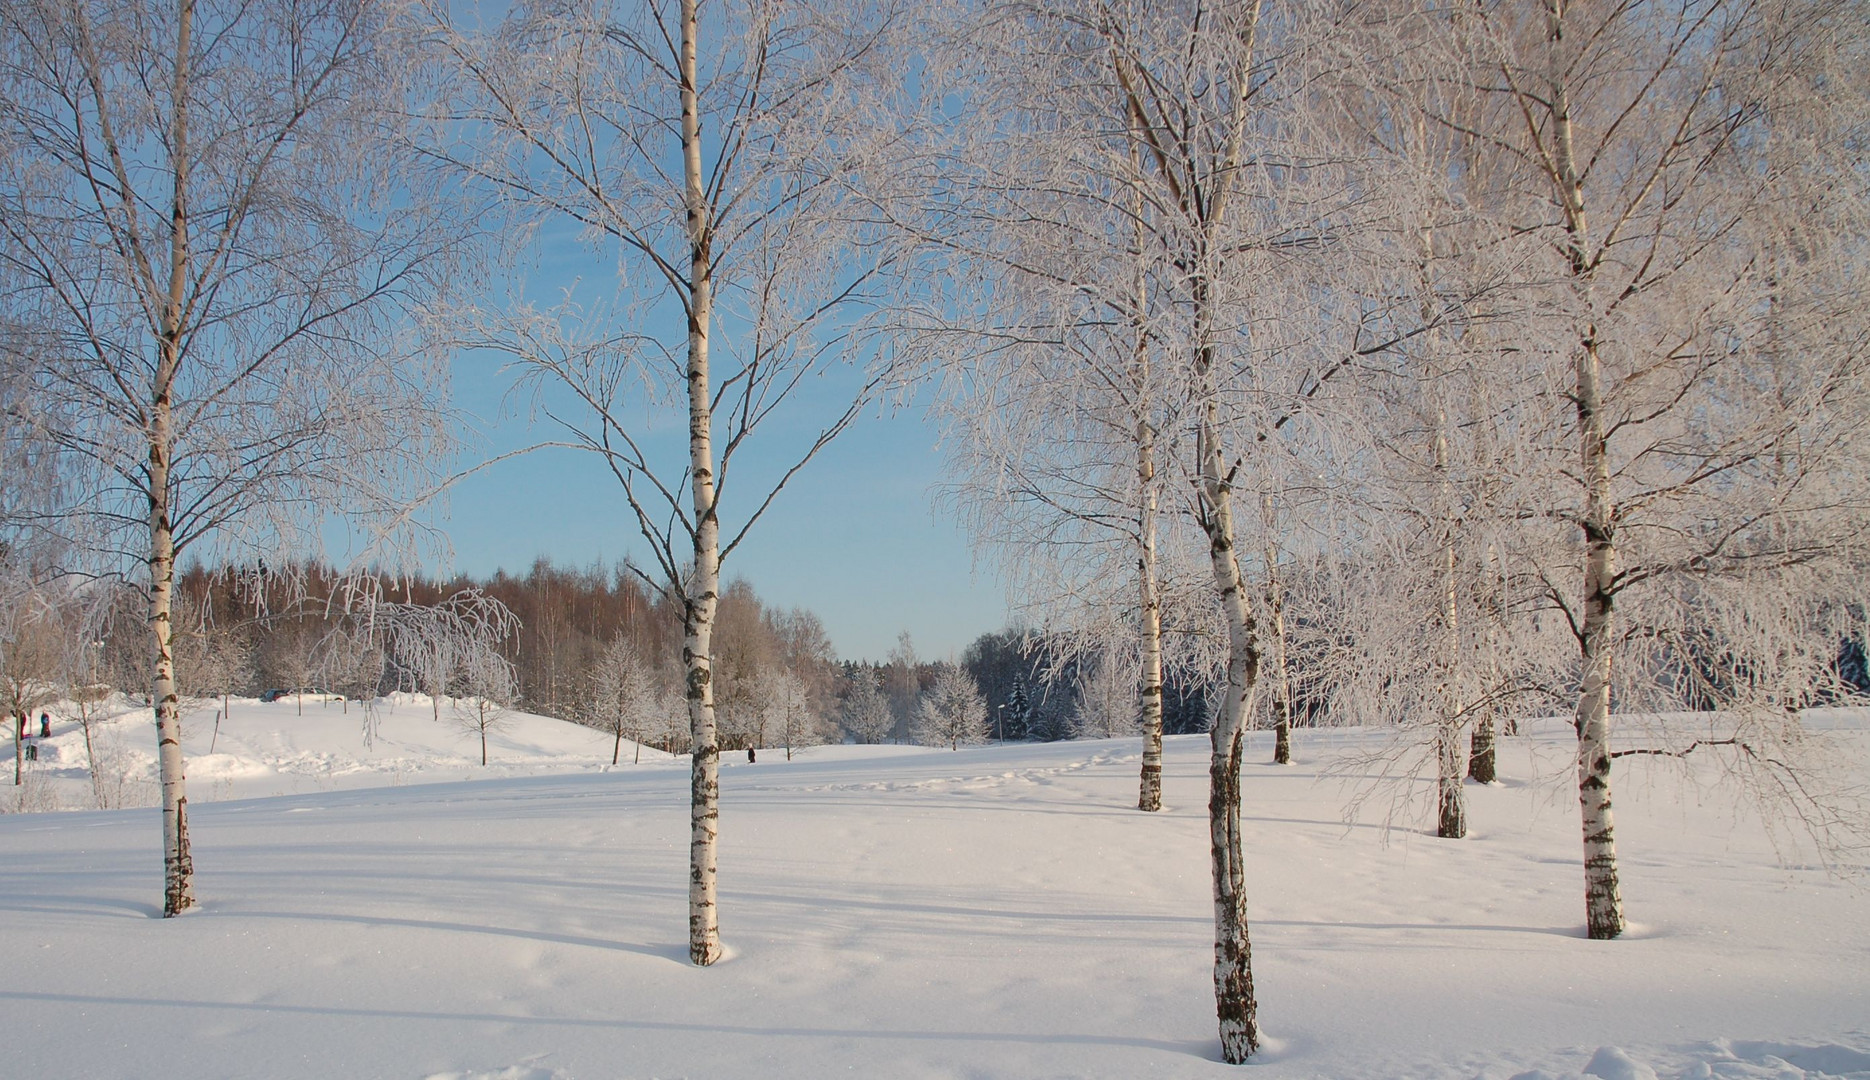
<point x="994" y="912"/>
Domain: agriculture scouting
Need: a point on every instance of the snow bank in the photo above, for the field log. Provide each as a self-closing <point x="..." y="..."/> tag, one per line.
<point x="257" y="750"/>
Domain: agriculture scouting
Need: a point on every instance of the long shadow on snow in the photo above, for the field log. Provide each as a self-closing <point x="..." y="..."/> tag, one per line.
<point x="1345" y="826"/>
<point x="675" y="953"/>
<point x="958" y="799"/>
<point x="823" y="901"/>
<point x="1192" y="1048"/>
<point x="1312" y="924"/>
<point x="64" y="905"/>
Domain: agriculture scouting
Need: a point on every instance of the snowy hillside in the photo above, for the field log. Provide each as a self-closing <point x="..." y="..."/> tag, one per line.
<point x="893" y="913"/>
<point x="315" y="744"/>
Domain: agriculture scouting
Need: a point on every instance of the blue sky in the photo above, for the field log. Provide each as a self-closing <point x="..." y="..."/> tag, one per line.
<point x="856" y="538"/>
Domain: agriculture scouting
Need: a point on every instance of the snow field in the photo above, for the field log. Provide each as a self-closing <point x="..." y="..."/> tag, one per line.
<point x="996" y="912"/>
<point x="286" y="747"/>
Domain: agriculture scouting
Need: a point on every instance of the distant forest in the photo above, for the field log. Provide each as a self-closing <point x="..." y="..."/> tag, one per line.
<point x="246" y="631"/>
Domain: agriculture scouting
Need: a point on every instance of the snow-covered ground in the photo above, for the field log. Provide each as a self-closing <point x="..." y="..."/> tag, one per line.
<point x="996" y="912"/>
<point x="314" y="744"/>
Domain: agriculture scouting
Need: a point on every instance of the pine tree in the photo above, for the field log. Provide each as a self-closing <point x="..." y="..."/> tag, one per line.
<point x="1018" y="722"/>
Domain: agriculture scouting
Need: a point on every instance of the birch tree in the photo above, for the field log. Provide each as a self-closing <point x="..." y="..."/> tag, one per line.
<point x="901" y="680"/>
<point x="200" y="213"/>
<point x="1173" y="110"/>
<point x="1260" y="230"/>
<point x="28" y="668"/>
<point x="952" y="712"/>
<point x="450" y="645"/>
<point x="1099" y="698"/>
<point x="486" y="677"/>
<point x="1687" y="159"/>
<point x="211" y="660"/>
<point x="1053" y="440"/>
<point x="79" y="645"/>
<point x="1054" y="406"/>
<point x="710" y="157"/>
<point x="1274" y="594"/>
<point x="82" y="618"/>
<point x="351" y="664"/>
<point x="1195" y="143"/>
<point x="1442" y="442"/>
<point x="865" y="712"/>
<point x="623" y="698"/>
<point x="791" y="713"/>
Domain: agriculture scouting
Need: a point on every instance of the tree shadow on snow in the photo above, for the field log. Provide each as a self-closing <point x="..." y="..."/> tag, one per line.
<point x="29" y="908"/>
<point x="676" y="953"/>
<point x="1193" y="1048"/>
<point x="1463" y="928"/>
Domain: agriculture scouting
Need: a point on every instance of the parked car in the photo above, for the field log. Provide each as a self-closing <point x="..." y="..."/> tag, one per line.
<point x="275" y="695"/>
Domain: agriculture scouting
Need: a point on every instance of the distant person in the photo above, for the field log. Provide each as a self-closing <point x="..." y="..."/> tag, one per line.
<point x="750" y="758"/>
<point x="32" y="751"/>
<point x="45" y="725"/>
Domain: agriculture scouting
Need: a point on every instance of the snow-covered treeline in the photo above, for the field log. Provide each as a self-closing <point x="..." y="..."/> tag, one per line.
<point x="574" y="635"/>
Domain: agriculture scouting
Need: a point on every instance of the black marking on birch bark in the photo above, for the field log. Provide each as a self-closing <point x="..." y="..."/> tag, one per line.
<point x="177" y="892"/>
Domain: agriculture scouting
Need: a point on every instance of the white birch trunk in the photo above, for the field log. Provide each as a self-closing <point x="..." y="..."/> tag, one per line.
<point x="1276" y="612"/>
<point x="704" y="935"/>
<point x="616" y="750"/>
<point x="1149" y="619"/>
<point x="90" y="751"/>
<point x="1482" y="761"/>
<point x="1235" y="1005"/>
<point x="1282" y="686"/>
<point x="1149" y="599"/>
<point x="178" y="865"/>
<point x="1603" y="901"/>
<point x="1450" y="770"/>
